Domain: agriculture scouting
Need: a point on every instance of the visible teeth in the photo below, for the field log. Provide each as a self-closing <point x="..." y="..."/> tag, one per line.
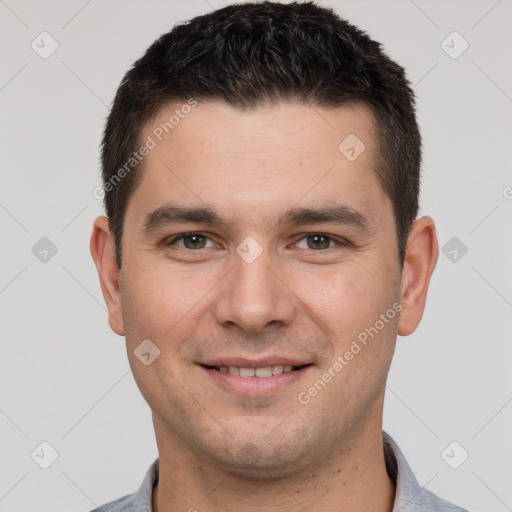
<point x="277" y="369"/>
<point x="246" y="372"/>
<point x="264" y="372"/>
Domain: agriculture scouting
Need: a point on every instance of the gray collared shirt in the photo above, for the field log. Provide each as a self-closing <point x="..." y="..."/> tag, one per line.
<point x="409" y="497"/>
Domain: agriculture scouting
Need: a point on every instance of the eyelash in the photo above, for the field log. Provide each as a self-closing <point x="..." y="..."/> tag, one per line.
<point x="177" y="238"/>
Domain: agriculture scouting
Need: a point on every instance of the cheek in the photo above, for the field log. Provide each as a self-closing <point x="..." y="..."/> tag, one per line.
<point x="150" y="306"/>
<point x="162" y="302"/>
<point x="158" y="305"/>
<point x="351" y="296"/>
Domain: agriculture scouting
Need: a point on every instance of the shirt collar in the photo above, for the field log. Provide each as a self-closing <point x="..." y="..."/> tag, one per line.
<point x="142" y="499"/>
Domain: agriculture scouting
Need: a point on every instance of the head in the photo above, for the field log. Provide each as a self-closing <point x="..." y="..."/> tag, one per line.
<point x="285" y="140"/>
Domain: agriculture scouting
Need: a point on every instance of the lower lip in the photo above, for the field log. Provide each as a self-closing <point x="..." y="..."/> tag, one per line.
<point x="255" y="386"/>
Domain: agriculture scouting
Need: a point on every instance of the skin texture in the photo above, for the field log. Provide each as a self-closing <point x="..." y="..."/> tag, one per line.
<point x="220" y="450"/>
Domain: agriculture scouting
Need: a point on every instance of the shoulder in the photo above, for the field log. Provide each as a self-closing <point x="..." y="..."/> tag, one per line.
<point x="139" y="501"/>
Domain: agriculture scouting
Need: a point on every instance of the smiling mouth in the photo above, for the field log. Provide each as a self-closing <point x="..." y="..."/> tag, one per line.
<point x="262" y="372"/>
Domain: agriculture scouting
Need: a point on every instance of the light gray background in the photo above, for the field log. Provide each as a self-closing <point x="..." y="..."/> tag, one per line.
<point x="64" y="375"/>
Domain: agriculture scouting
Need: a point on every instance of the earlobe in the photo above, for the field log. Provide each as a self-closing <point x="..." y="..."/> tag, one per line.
<point x="103" y="254"/>
<point x="420" y="261"/>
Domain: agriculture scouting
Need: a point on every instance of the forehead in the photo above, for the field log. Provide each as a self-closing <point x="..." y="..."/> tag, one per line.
<point x="261" y="159"/>
<point x="308" y="129"/>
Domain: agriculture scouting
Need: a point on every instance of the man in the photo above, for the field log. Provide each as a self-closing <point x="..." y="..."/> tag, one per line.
<point x="261" y="254"/>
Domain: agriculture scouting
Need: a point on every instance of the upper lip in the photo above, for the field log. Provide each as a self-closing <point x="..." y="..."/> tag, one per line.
<point x="246" y="362"/>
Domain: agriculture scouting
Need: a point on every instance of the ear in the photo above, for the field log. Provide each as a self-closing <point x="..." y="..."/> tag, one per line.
<point x="420" y="260"/>
<point x="103" y="254"/>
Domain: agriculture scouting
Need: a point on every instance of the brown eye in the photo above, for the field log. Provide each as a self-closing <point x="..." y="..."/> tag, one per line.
<point x="318" y="241"/>
<point x="196" y="241"/>
<point x="190" y="240"/>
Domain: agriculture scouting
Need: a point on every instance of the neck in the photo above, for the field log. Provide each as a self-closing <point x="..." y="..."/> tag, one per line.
<point x="348" y="479"/>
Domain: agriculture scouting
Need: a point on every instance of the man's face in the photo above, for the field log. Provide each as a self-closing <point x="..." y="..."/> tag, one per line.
<point x="259" y="289"/>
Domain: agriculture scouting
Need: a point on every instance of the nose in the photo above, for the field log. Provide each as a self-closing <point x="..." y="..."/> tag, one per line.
<point x="255" y="296"/>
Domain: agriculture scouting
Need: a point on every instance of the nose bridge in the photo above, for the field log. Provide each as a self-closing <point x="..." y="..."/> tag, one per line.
<point x="251" y="295"/>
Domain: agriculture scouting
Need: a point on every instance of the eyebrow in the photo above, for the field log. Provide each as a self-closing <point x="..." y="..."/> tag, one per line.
<point x="174" y="214"/>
